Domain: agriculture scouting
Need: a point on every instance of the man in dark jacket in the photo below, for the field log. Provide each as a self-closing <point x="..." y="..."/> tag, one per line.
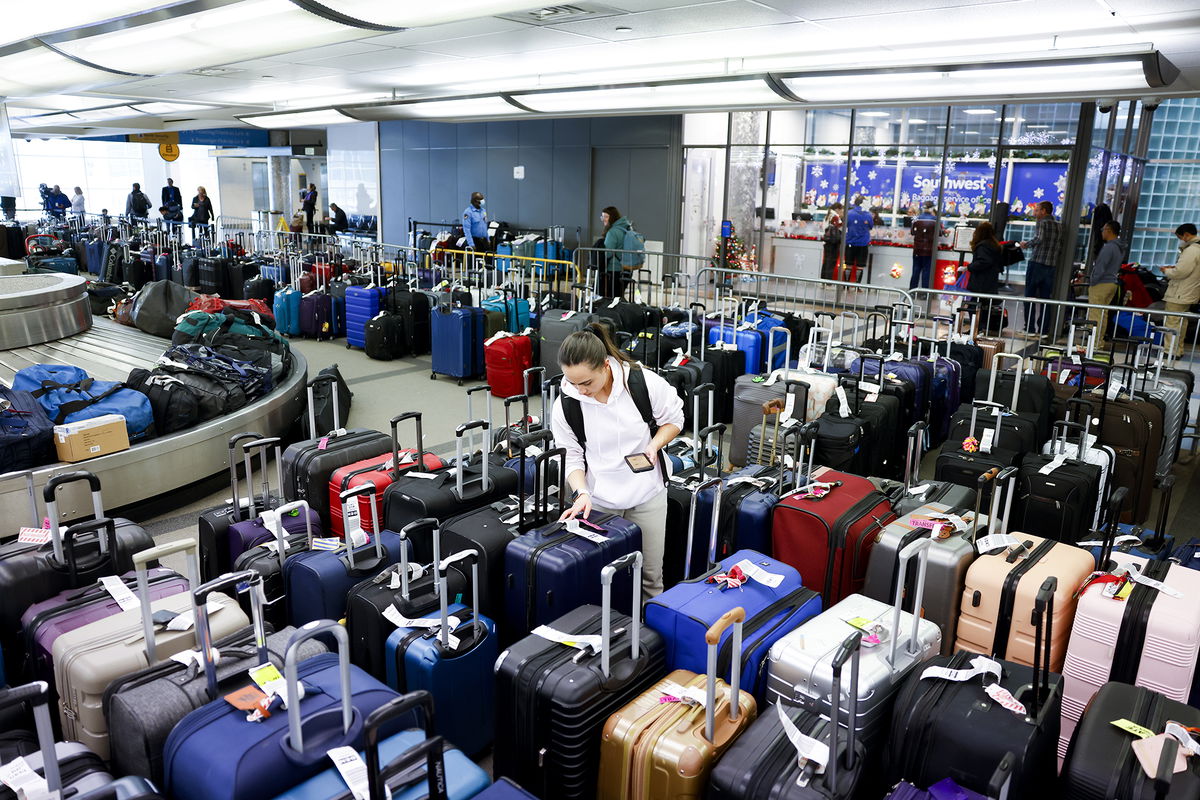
<point x="137" y="204"/>
<point x="308" y="201"/>
<point x="925" y="236"/>
<point x="171" y="196"/>
<point x="1044" y="251"/>
<point x="338" y="221"/>
<point x="1104" y="279"/>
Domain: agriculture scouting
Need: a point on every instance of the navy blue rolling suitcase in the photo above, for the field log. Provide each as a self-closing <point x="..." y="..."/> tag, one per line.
<point x="457" y="335"/>
<point x="363" y="303"/>
<point x="504" y="789"/>
<point x="453" y="663"/>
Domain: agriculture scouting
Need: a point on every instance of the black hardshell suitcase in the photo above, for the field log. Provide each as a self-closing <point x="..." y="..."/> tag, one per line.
<point x="552" y="700"/>
<point x="1016" y="433"/>
<point x="214" y="275"/>
<point x="1035" y="394"/>
<point x="1100" y="762"/>
<point x="954" y="729"/>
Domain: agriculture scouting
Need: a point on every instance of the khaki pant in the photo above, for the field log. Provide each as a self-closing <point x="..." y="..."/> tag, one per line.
<point x="1101" y="294"/>
<point x="651" y="517"/>
<point x="1178" y="323"/>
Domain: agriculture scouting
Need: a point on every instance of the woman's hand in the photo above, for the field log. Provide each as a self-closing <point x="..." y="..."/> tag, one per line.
<point x="582" y="507"/>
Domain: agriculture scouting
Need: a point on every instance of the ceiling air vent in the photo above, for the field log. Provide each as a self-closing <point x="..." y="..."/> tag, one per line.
<point x="209" y="72"/>
<point x="554" y="15"/>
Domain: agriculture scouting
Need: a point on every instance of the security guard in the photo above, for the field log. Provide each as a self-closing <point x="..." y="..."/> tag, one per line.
<point x="475" y="222"/>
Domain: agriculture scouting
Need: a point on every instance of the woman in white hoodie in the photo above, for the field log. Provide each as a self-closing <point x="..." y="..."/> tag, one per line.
<point x="611" y="409"/>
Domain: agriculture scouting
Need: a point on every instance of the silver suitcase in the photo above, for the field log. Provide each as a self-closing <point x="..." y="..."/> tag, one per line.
<point x="749" y="393"/>
<point x="800" y="665"/>
<point x="88" y="659"/>
<point x="75" y="770"/>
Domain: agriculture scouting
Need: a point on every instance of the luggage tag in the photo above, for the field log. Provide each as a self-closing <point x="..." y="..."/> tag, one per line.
<point x="1054" y="464"/>
<point x="817" y="490"/>
<point x="843" y="402"/>
<point x="189" y="657"/>
<point x="585" y="643"/>
<point x="1149" y="753"/>
<point x="1135" y="575"/>
<point x="1182" y="733"/>
<point x="677" y="693"/>
<point x="252" y="700"/>
<point x="1005" y="698"/>
<point x="415" y="571"/>
<point x="874" y="633"/>
<point x="575" y="526"/>
<point x="1129" y="726"/>
<point x="353" y="769"/>
<point x="980" y="665"/>
<point x="24" y="782"/>
<point x="326" y="543"/>
<point x="184" y="620"/>
<point x="120" y="592"/>
<point x="393" y="615"/>
<point x="268" y="679"/>
<point x="34" y="536"/>
<point x="987" y="440"/>
<point x="812" y="755"/>
<point x="757" y="573"/>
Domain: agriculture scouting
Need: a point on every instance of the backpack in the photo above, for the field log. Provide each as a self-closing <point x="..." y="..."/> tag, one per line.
<point x="141" y="204"/>
<point x="573" y="414"/>
<point x="636" y="243"/>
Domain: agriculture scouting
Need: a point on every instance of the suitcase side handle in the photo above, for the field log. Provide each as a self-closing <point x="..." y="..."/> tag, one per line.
<point x="291" y="669"/>
<point x="140" y="560"/>
<point x="443" y="592"/>
<point x="1043" y="615"/>
<point x="248" y="581"/>
<point x="1002" y="778"/>
<point x="735" y="617"/>
<point x="1166" y="768"/>
<point x="37" y="695"/>
<point x="49" y="497"/>
<point x="631" y="561"/>
<point x="919" y="548"/>
<point x="106" y="532"/>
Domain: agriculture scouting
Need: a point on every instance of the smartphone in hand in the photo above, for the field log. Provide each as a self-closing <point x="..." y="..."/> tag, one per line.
<point x="639" y="462"/>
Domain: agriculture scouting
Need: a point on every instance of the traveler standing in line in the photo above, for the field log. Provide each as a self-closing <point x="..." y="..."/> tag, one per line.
<point x="612" y="283"/>
<point x="1044" y="250"/>
<point x="475" y="223"/>
<point x="202" y="210"/>
<point x="137" y="204"/>
<point x="77" y="202"/>
<point x="925" y="236"/>
<point x="57" y="203"/>
<point x="1104" y="279"/>
<point x="610" y="409"/>
<point x="171" y="196"/>
<point x="858" y="239"/>
<point x="1183" y="289"/>
<point x="985" y="268"/>
<point x="832" y="236"/>
<point x="308" y="201"/>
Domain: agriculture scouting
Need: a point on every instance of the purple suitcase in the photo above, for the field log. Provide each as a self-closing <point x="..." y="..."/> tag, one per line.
<point x="251" y="533"/>
<point x="316" y="315"/>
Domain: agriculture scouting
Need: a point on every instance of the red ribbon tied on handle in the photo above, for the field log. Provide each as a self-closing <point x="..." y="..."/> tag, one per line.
<point x="729" y="580"/>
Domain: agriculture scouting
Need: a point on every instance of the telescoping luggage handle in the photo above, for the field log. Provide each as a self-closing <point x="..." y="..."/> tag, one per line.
<point x="471" y="414"/>
<point x="291" y="669"/>
<point x="312" y="404"/>
<point x="850" y="648"/>
<point x="49" y="498"/>
<point x="919" y="548"/>
<point x="394" y="424"/>
<point x="697" y="442"/>
<point x="37" y="695"/>
<point x="247" y="581"/>
<point x="1043" y="614"/>
<point x="1116" y="503"/>
<point x="425" y="524"/>
<point x="430" y="750"/>
<point x="632" y="561"/>
<point x="300" y="506"/>
<point x="370" y="489"/>
<point x="442" y="567"/>
<point x="186" y="546"/>
<point x="734" y="617"/>
<point x="262" y="446"/>
<point x="534" y="376"/>
<point x="912" y="461"/>
<point x="234" y="440"/>
<point x="459" y="463"/>
<point x="997" y="360"/>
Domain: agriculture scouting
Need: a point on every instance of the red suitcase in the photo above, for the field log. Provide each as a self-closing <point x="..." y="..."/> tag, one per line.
<point x="828" y="539"/>
<point x="507" y="356"/>
<point x="377" y="470"/>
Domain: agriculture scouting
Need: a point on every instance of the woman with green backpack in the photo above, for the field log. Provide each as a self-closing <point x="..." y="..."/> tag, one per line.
<point x="627" y="246"/>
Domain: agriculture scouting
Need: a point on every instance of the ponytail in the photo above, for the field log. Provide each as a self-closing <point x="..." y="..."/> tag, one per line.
<point x="590" y="346"/>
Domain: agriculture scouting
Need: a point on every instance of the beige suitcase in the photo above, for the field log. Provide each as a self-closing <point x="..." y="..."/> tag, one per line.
<point x="996" y="616"/>
<point x="88" y="659"/>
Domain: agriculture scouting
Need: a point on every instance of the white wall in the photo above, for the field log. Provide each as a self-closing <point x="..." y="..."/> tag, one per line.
<point x="352" y="168"/>
<point x="237" y="187"/>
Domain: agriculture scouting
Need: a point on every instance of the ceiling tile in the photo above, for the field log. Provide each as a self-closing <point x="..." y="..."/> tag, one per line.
<point x="500" y="44"/>
<point x="452" y="30"/>
<point x="327" y="51"/>
<point x="393" y="58"/>
<point x="720" y="16"/>
<point x="865" y="9"/>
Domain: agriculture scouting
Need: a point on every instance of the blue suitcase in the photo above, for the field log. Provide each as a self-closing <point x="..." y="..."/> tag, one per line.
<point x="683" y="614"/>
<point x="286" y="308"/>
<point x="504" y="789"/>
<point x="276" y="272"/>
<point x="455" y="667"/>
<point x="162" y="267"/>
<point x="751" y="342"/>
<point x="318" y="581"/>
<point x="214" y="753"/>
<point x="64" y="264"/>
<point x="362" y="305"/>
<point x="748" y="500"/>
<point x="400" y="754"/>
<point x="551" y="571"/>
<point x="504" y="264"/>
<point x="457" y="339"/>
<point x="1152" y="545"/>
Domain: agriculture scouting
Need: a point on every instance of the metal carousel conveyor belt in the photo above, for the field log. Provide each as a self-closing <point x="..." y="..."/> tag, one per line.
<point x="108" y="351"/>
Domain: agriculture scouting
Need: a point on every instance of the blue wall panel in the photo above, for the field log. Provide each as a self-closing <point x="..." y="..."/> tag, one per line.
<point x="443" y="190"/>
<point x="533" y="193"/>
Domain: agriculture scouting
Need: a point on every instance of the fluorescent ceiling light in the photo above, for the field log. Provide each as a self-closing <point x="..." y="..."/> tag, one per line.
<point x="37" y="69"/>
<point x="752" y="92"/>
<point x="917" y="121"/>
<point x="971" y="133"/>
<point x="1057" y="133"/>
<point x="874" y="114"/>
<point x="298" y="119"/>
<point x="1037" y="126"/>
<point x="65" y="102"/>
<point x="413" y="14"/>
<point x="25" y="20"/>
<point x="979" y="111"/>
<point x="464" y="108"/>
<point x="158" y="109"/>
<point x="237" y="32"/>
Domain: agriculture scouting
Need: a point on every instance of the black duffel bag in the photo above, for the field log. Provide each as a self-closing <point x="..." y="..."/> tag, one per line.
<point x="173" y="402"/>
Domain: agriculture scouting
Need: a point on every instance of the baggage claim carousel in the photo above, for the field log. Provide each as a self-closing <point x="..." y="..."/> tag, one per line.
<point x="47" y="319"/>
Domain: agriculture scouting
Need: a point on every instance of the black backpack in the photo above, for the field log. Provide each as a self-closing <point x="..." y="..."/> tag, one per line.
<point x="573" y="414"/>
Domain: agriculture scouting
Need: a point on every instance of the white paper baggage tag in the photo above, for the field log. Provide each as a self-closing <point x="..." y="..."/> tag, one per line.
<point x="1004" y="698"/>
<point x="757" y="573"/>
<point x="985" y="441"/>
<point x="33" y="536"/>
<point x="592" y="643"/>
<point x="393" y="615"/>
<point x="843" y="403"/>
<point x="677" y="693"/>
<point x="186" y="619"/>
<point x="1135" y="575"/>
<point x="25" y="783"/>
<point x="808" y="749"/>
<point x="353" y="770"/>
<point x="615" y="302"/>
<point x="567" y="315"/>
<point x="189" y="657"/>
<point x="1120" y="541"/>
<point x="920" y="489"/>
<point x="352" y="522"/>
<point x="330" y="543"/>
<point x="415" y="571"/>
<point x="1064" y="376"/>
<point x="960" y="523"/>
<point x="980" y="665"/>
<point x="120" y="592"/>
<point x="789" y="405"/>
<point x="995" y="541"/>
<point x="1184" y="738"/>
<point x="575" y="527"/>
<point x="1054" y="464"/>
<point x="1114" y="390"/>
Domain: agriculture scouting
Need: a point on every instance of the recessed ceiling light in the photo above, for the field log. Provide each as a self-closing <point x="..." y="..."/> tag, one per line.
<point x="917" y="121"/>
<point x="624" y="29"/>
<point x="971" y="133"/>
<point x="874" y="114"/>
<point x="1057" y="133"/>
<point x="1037" y="126"/>
<point x="979" y="111"/>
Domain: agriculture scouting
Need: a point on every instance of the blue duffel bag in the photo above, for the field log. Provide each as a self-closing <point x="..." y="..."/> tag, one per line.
<point x="68" y="394"/>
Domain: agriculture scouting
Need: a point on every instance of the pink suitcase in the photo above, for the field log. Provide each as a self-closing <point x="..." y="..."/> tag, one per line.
<point x="1151" y="638"/>
<point x="996" y="613"/>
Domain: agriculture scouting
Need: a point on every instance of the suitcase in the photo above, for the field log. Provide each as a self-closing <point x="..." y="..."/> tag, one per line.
<point x="963" y="462"/>
<point x="1151" y="545"/>
<point x="143" y="707"/>
<point x="657" y="747"/>
<point x="770" y="760"/>
<point x="454" y="664"/>
<point x="384" y="337"/>
<point x="286" y="307"/>
<point x="316" y="316"/>
<point x="1058" y="496"/>
<point x="800" y="665"/>
<point x="554" y="328"/>
<point x="1002" y="586"/>
<point x="213" y="275"/>
<point x="281" y="751"/>
<point x="950" y="719"/>
<point x="506" y="359"/>
<point x="26" y="433"/>
<point x="830" y="535"/>
<point x="394" y="763"/>
<point x="915" y="493"/>
<point x="259" y="288"/>
<point x="1133" y="429"/>
<point x="1089" y="450"/>
<point x="89" y="658"/>
<point x="246" y="529"/>
<point x="456" y="334"/>
<point x="1101" y="763"/>
<point x="308" y="464"/>
<point x="268" y="558"/>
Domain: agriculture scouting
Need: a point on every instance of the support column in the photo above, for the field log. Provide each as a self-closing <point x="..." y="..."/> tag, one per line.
<point x="279" y="189"/>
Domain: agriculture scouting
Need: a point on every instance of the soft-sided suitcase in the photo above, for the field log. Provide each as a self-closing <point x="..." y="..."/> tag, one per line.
<point x="394" y="764"/>
<point x="1058" y="495"/>
<point x="214" y="522"/>
<point x="1088" y="450"/>
<point x="452" y="658"/>
<point x="262" y="759"/>
<point x="456" y="335"/>
<point x="1033" y="395"/>
<point x="800" y="665"/>
<point x="88" y="659"/>
<point x="996" y="614"/>
<point x="384" y="337"/>
<point x="1102" y="762"/>
<point x="792" y="754"/>
<point x="559" y="691"/>
<point x="506" y="358"/>
<point x="916" y="493"/>
<point x="252" y="531"/>
<point x="963" y="462"/>
<point x="316" y="315"/>
<point x="26" y="433"/>
<point x="954" y="718"/>
<point x="1134" y="540"/>
<point x="1133" y="428"/>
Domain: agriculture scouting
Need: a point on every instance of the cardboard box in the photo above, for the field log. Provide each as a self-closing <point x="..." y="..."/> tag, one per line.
<point x="89" y="438"/>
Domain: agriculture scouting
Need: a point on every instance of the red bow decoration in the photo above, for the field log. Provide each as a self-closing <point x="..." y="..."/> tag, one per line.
<point x="1095" y="579"/>
<point x="729" y="580"/>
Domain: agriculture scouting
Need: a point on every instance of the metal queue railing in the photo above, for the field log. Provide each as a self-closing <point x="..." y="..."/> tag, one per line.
<point x="662" y="266"/>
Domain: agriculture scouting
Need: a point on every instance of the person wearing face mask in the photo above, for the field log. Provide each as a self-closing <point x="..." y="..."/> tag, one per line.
<point x="614" y="419"/>
<point x="475" y="222"/>
<point x="1183" y="289"/>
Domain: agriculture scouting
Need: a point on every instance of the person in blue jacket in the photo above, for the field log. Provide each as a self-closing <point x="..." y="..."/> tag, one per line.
<point x="57" y="203"/>
<point x="475" y="222"/>
<point x="858" y="238"/>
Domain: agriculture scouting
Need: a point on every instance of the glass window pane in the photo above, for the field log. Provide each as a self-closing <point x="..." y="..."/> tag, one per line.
<point x="703" y="192"/>
<point x="1027" y="177"/>
<point x="880" y="127"/>
<point x="1041" y="124"/>
<point x="977" y="124"/>
<point x="788" y="127"/>
<point x="744" y="195"/>
<point x="711" y="129"/>
<point x="748" y="127"/>
<point x="829" y="126"/>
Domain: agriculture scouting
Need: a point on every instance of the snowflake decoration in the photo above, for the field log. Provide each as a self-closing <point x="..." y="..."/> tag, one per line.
<point x="818" y="171"/>
<point x="824" y="184"/>
<point x="973" y="155"/>
<point x="853" y="178"/>
<point x="882" y="164"/>
<point x="1039" y="193"/>
<point x="917" y="152"/>
<point x="952" y="166"/>
<point x="872" y="175"/>
<point x="1060" y="183"/>
<point x="991" y="162"/>
<point x="902" y="162"/>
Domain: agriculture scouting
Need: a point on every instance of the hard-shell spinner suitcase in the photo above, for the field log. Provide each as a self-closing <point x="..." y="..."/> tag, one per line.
<point x="1147" y="635"/>
<point x="752" y="389"/>
<point x="554" y="691"/>
<point x="89" y="658"/>
<point x="214" y="522"/>
<point x="506" y="358"/>
<point x="454" y="664"/>
<point x="916" y="493"/>
<point x="363" y="303"/>
<point x="267" y="559"/>
<point x="1101" y="763"/>
<point x="996" y="616"/>
<point x="382" y="470"/>
<point x="308" y="464"/>
<point x="800" y="672"/>
<point x="143" y="707"/>
<point x="953" y="720"/>
<point x="456" y="334"/>
<point x="792" y="754"/>
<point x="395" y="763"/>
<point x="664" y="743"/>
<point x="262" y="759"/>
